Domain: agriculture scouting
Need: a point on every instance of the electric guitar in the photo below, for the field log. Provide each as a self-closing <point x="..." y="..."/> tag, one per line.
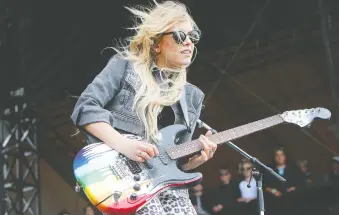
<point x="117" y="185"/>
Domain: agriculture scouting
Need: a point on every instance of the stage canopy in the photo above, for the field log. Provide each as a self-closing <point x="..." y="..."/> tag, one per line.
<point x="257" y="58"/>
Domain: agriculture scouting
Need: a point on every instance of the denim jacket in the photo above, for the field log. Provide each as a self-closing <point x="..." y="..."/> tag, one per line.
<point x="109" y="98"/>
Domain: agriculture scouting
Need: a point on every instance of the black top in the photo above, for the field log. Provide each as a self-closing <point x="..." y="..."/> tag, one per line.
<point x="292" y="175"/>
<point x="226" y="194"/>
<point x="166" y="117"/>
<point x="333" y="178"/>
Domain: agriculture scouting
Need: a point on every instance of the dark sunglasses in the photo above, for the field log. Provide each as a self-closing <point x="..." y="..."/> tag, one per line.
<point x="180" y="36"/>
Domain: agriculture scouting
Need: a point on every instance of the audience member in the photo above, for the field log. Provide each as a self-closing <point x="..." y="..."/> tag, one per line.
<point x="199" y="200"/>
<point x="333" y="176"/>
<point x="224" y="195"/>
<point x="88" y="210"/>
<point x="247" y="188"/>
<point x="332" y="179"/>
<point x="286" y="169"/>
<point x="306" y="174"/>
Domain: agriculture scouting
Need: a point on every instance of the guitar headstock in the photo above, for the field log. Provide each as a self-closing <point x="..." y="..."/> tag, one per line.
<point x="305" y="117"/>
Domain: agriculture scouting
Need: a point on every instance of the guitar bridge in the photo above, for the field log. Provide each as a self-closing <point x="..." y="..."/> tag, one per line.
<point x="133" y="166"/>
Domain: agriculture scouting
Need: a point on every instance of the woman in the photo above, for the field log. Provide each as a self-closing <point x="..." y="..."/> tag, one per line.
<point x="288" y="171"/>
<point x="142" y="89"/>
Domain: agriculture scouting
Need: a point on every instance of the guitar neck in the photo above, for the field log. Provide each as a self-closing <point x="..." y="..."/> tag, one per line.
<point x="194" y="146"/>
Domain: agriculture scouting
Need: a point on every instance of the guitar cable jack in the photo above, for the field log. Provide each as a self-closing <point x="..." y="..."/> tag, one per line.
<point x="77" y="187"/>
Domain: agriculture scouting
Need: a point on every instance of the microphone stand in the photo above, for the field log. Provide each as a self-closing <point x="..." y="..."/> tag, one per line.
<point x="255" y="173"/>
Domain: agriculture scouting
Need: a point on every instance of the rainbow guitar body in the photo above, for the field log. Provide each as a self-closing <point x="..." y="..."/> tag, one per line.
<point x="118" y="185"/>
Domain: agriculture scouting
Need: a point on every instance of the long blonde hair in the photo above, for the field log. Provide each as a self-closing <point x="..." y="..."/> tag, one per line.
<point x="150" y="98"/>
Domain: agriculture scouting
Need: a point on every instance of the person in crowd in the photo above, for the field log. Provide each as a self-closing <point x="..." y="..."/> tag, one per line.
<point x="88" y="210"/>
<point x="224" y="195"/>
<point x="247" y="188"/>
<point x="200" y="200"/>
<point x="332" y="179"/>
<point x="282" y="197"/>
<point x="333" y="176"/>
<point x="306" y="173"/>
<point x="293" y="176"/>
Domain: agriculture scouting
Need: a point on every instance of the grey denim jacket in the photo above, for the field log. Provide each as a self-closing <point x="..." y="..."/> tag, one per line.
<point x="109" y="98"/>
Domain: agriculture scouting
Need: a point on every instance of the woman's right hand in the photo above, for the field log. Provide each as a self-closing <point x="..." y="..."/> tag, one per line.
<point x="137" y="150"/>
<point x="133" y="149"/>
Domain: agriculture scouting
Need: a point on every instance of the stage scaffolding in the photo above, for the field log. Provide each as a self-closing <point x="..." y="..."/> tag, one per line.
<point x="19" y="150"/>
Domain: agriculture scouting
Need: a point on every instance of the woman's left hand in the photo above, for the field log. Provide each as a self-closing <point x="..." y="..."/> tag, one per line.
<point x="208" y="150"/>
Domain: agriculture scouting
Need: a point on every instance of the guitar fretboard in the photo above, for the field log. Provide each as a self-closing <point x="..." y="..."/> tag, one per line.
<point x="194" y="146"/>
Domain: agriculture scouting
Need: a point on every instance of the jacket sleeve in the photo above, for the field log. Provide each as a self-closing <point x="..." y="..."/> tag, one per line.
<point x="90" y="105"/>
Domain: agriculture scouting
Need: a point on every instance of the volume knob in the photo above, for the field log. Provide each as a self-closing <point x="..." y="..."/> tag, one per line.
<point x="136" y="177"/>
<point x="136" y="187"/>
<point x="133" y="196"/>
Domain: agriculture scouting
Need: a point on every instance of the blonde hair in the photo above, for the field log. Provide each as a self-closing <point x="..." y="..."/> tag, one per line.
<point x="150" y="98"/>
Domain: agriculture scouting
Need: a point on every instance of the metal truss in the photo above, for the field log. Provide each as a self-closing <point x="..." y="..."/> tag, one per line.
<point x="19" y="149"/>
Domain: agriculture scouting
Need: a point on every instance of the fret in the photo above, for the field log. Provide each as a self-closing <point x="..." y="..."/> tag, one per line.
<point x="191" y="147"/>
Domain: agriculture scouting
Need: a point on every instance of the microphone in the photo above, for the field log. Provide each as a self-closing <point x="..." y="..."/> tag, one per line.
<point x="207" y="127"/>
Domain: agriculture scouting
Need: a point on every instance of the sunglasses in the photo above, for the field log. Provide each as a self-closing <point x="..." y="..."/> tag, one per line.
<point x="180" y="36"/>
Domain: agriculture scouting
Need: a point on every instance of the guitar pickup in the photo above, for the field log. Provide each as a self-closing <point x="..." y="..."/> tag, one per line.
<point x="148" y="165"/>
<point x="165" y="159"/>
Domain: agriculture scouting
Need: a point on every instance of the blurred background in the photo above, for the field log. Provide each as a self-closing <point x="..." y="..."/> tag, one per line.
<point x="256" y="58"/>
